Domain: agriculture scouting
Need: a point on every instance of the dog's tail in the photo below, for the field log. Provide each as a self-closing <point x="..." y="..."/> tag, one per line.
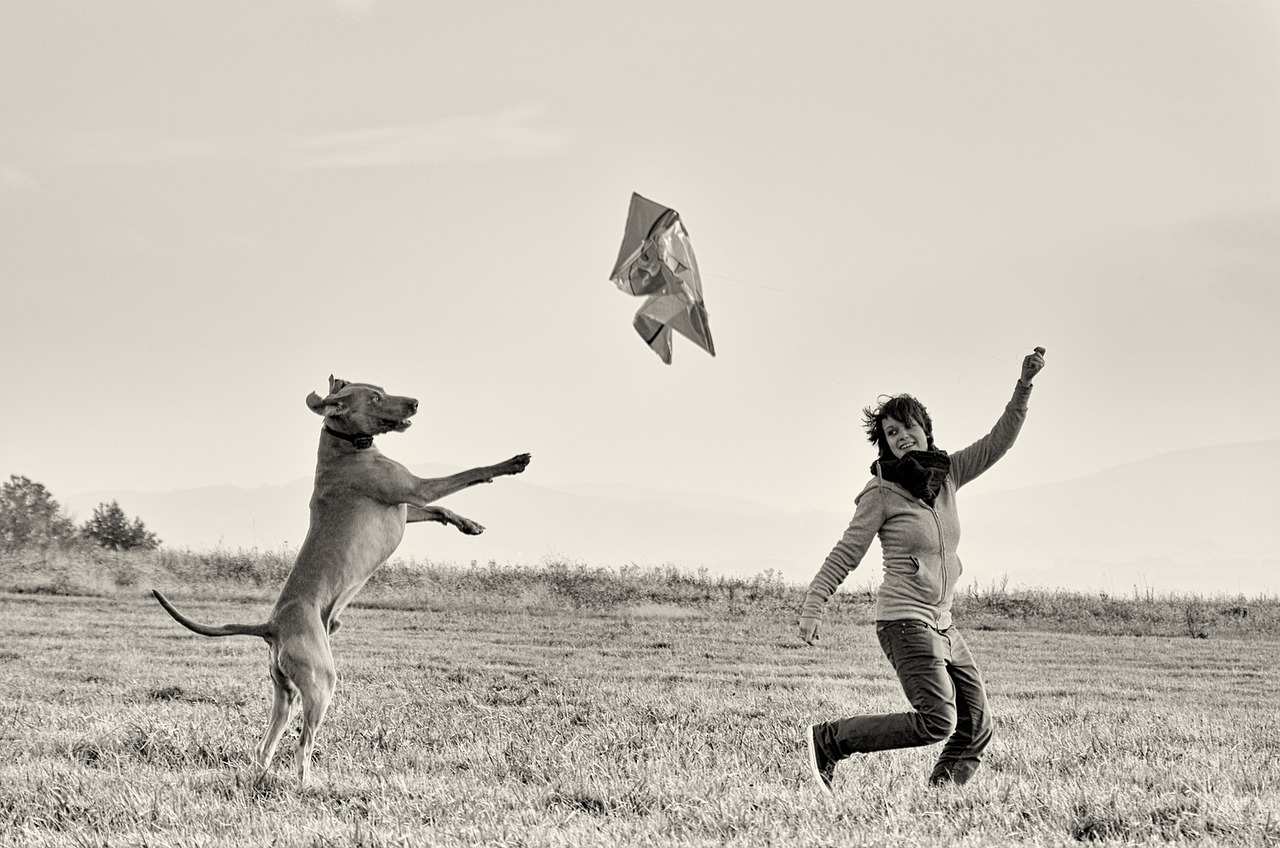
<point x="263" y="630"/>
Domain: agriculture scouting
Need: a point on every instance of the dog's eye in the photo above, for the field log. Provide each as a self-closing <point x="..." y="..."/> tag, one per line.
<point x="377" y="399"/>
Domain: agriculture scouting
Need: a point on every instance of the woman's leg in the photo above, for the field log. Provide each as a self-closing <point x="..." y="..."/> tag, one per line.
<point x="919" y="655"/>
<point x="963" y="752"/>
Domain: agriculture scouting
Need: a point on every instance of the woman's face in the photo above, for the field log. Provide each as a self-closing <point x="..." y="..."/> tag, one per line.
<point x="902" y="438"/>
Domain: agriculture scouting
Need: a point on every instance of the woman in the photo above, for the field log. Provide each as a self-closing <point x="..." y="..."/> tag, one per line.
<point x="910" y="505"/>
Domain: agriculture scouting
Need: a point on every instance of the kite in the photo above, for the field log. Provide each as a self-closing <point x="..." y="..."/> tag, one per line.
<point x="656" y="260"/>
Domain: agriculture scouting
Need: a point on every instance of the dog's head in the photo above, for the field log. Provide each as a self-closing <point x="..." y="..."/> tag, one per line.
<point x="362" y="409"/>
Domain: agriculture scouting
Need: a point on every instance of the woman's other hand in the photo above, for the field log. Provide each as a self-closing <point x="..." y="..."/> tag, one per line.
<point x="809" y="630"/>
<point x="1031" y="366"/>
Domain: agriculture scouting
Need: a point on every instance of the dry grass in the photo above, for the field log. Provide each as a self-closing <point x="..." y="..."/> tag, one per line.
<point x="482" y="710"/>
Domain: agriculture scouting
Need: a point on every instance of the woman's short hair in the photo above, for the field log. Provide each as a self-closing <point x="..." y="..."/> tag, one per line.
<point x="902" y="408"/>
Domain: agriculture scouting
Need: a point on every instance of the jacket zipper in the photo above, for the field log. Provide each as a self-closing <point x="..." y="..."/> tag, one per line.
<point x="942" y="555"/>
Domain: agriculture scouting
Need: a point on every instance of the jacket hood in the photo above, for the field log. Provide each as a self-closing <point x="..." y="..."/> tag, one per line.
<point x="898" y="489"/>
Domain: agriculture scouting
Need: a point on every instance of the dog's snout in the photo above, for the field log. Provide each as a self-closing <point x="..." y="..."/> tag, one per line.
<point x="411" y="405"/>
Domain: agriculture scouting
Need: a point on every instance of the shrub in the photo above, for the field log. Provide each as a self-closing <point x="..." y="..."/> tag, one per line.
<point x="111" y="529"/>
<point x="30" y="517"/>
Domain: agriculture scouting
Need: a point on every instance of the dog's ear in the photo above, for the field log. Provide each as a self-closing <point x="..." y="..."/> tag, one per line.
<point x="325" y="406"/>
<point x="336" y="384"/>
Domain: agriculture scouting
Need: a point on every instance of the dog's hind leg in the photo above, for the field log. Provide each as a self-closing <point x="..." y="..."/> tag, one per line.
<point x="315" y="703"/>
<point x="309" y="667"/>
<point x="284" y="705"/>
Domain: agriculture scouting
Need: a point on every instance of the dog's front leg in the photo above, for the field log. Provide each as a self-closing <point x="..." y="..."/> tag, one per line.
<point x="444" y="516"/>
<point x="429" y="490"/>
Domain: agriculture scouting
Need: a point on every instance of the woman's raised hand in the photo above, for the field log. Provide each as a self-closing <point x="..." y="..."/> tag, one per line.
<point x="1031" y="366"/>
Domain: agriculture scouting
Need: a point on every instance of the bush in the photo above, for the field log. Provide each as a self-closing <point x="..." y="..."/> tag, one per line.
<point x="30" y="517"/>
<point x="111" y="529"/>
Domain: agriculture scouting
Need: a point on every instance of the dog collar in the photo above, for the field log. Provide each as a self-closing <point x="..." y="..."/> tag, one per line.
<point x="359" y="442"/>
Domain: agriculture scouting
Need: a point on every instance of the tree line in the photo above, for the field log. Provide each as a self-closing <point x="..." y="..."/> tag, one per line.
<point x="31" y="518"/>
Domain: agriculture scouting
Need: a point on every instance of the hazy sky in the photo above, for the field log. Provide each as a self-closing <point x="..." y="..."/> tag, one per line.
<point x="207" y="208"/>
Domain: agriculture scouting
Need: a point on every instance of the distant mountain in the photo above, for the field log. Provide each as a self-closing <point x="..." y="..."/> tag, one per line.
<point x="1200" y="520"/>
<point x="1204" y="520"/>
<point x="204" y="518"/>
<point x="599" y="523"/>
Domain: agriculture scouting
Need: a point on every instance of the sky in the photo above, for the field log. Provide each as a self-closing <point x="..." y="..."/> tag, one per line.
<point x="208" y="208"/>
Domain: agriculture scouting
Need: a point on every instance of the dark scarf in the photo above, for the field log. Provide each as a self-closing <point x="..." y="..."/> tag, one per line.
<point x="919" y="472"/>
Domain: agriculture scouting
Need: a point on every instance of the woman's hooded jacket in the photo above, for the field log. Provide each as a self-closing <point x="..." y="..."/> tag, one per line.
<point x="918" y="541"/>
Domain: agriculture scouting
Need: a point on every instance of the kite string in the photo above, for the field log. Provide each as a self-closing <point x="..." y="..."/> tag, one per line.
<point x="886" y="313"/>
<point x="744" y="282"/>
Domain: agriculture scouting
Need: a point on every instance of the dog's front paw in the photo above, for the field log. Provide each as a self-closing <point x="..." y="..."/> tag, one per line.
<point x="471" y="528"/>
<point x="516" y="464"/>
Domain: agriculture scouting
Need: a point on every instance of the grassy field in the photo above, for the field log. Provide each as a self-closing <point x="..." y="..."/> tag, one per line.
<point x="564" y="705"/>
